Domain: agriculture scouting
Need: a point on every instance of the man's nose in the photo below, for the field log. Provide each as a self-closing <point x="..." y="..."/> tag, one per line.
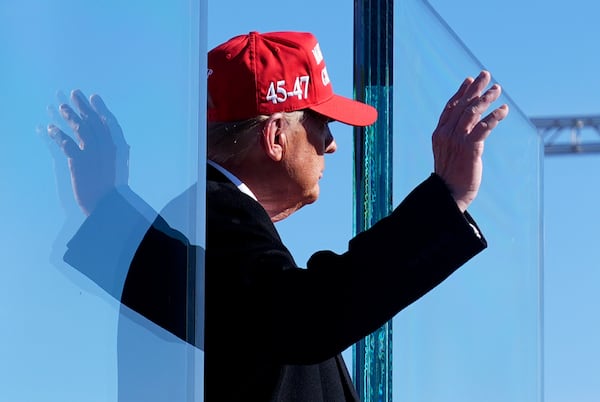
<point x="331" y="146"/>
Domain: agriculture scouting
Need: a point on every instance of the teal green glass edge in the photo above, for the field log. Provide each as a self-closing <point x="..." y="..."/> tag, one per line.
<point x="373" y="51"/>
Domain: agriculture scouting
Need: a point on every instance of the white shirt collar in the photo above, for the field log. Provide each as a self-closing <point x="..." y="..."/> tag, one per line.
<point x="239" y="184"/>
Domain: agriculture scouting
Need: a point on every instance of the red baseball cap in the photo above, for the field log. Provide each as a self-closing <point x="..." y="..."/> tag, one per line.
<point x="260" y="74"/>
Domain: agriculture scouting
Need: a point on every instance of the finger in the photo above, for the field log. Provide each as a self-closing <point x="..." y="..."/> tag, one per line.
<point x="61" y="97"/>
<point x="79" y="100"/>
<point x="103" y="112"/>
<point x="470" y="93"/>
<point x="473" y="112"/>
<point x="485" y="126"/>
<point x="77" y="124"/>
<point x="56" y="118"/>
<point x="86" y="111"/>
<point x="100" y="107"/>
<point x="70" y="116"/>
<point x="43" y="134"/>
<point x="109" y="119"/>
<point x="66" y="143"/>
<point x="53" y="114"/>
<point x="453" y="102"/>
<point x="475" y="89"/>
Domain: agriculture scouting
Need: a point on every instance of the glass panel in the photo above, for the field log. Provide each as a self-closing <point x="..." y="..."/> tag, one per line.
<point x="373" y="77"/>
<point x="67" y="337"/>
<point x="477" y="336"/>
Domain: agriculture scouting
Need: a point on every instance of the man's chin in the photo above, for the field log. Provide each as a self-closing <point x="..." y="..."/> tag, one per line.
<point x="312" y="197"/>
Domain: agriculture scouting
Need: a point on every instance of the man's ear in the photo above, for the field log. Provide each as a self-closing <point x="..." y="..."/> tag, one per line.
<point x="273" y="139"/>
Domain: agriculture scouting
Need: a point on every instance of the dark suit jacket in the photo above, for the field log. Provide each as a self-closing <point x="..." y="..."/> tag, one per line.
<point x="274" y="331"/>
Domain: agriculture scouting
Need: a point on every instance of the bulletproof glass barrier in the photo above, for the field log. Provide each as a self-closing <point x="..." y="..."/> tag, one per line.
<point x="477" y="336"/>
<point x="133" y="76"/>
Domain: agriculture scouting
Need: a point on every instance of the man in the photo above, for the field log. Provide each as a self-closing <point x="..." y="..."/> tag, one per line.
<point x="274" y="331"/>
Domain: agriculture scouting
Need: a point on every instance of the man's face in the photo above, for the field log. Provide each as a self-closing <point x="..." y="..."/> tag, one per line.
<point x="309" y="141"/>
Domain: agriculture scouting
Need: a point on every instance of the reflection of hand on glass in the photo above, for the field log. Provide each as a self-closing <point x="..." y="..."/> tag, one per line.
<point x="98" y="162"/>
<point x="61" y="169"/>
<point x="106" y="247"/>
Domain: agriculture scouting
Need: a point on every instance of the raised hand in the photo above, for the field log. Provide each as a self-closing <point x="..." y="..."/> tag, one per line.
<point x="459" y="137"/>
<point x="99" y="160"/>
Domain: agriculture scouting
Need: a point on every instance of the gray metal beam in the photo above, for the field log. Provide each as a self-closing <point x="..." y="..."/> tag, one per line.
<point x="564" y="135"/>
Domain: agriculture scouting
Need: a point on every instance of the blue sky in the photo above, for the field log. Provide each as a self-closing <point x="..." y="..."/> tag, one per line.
<point x="543" y="55"/>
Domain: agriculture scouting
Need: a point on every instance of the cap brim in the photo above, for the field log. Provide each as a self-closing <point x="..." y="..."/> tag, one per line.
<point x="347" y="111"/>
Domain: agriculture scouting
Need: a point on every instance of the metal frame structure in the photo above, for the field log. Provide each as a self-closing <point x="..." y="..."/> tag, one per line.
<point x="569" y="134"/>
